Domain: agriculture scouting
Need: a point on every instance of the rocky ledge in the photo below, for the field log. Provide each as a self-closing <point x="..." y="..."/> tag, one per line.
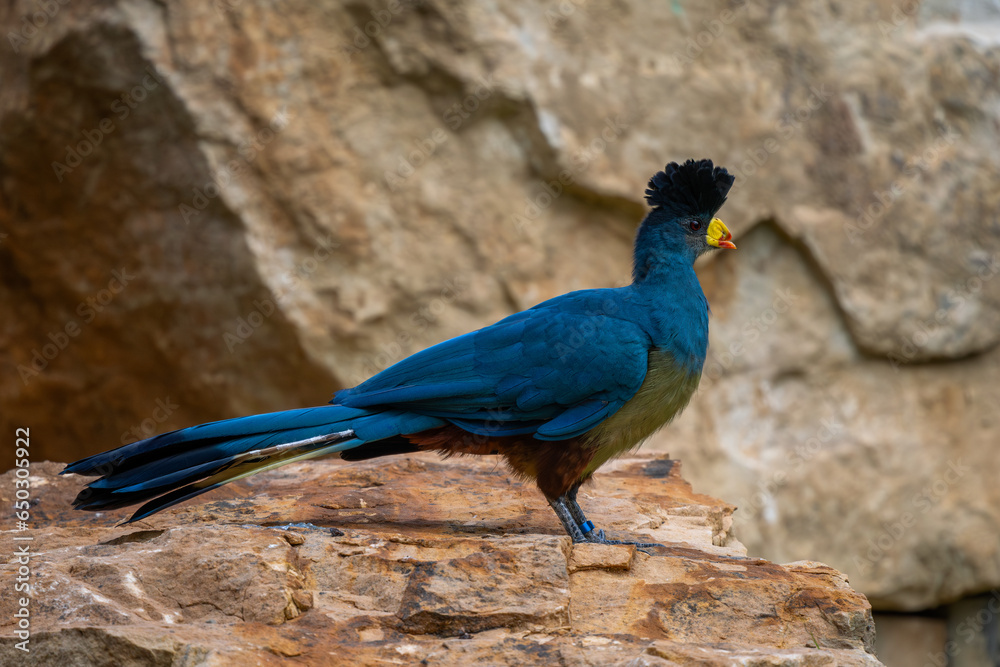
<point x="417" y="560"/>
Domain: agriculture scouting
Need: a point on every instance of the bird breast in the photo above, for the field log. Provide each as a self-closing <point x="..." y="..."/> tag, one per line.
<point x="665" y="391"/>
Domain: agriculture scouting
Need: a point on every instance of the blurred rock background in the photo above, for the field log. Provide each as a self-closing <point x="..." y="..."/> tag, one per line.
<point x="210" y="209"/>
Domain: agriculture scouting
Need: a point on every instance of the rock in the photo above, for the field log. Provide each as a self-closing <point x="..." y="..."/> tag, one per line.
<point x="280" y="199"/>
<point x="601" y="557"/>
<point x="448" y="561"/>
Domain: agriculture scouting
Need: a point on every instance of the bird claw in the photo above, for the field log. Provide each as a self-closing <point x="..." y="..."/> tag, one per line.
<point x="582" y="531"/>
<point x="598" y="537"/>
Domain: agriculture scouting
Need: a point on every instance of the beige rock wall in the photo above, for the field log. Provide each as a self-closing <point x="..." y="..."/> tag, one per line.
<point x="291" y="204"/>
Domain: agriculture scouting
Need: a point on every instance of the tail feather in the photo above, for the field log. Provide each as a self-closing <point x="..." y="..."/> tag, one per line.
<point x="151" y="481"/>
<point x="231" y="472"/>
<point x="159" y="447"/>
<point x="167" y="469"/>
<point x="206" y="452"/>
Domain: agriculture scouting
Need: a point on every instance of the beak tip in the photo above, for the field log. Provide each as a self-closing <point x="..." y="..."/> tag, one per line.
<point x="719" y="235"/>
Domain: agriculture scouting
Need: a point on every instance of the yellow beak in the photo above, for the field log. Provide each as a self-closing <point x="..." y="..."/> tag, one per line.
<point x="719" y="236"/>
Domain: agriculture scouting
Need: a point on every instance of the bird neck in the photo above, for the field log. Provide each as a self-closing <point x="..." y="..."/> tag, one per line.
<point x="677" y="308"/>
<point x="659" y="255"/>
<point x="673" y="287"/>
<point x="661" y="265"/>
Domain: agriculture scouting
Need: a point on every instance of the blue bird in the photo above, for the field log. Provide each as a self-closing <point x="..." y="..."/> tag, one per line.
<point x="556" y="390"/>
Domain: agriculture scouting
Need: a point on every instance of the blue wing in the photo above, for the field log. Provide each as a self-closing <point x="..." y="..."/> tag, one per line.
<point x="555" y="371"/>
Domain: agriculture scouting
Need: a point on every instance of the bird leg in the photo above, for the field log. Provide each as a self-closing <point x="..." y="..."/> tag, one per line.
<point x="581" y="529"/>
<point x="568" y="521"/>
<point x="574" y="507"/>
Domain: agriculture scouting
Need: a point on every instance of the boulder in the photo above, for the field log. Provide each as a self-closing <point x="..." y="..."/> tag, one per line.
<point x="419" y="559"/>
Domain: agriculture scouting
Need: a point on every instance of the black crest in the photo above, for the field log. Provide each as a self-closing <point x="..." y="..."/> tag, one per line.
<point x="695" y="188"/>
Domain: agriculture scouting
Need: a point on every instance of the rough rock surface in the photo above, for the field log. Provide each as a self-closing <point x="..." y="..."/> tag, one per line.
<point x="417" y="559"/>
<point x="213" y="209"/>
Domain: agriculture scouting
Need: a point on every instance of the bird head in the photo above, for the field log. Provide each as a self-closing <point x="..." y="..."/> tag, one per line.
<point x="685" y="198"/>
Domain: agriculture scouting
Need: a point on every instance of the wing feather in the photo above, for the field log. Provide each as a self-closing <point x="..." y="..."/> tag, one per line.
<point x="556" y="370"/>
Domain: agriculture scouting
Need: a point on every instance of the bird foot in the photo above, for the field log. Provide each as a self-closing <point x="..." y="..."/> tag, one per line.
<point x="598" y="537"/>
<point x="581" y="530"/>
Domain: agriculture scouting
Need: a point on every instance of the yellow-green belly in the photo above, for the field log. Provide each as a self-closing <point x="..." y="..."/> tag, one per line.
<point x="665" y="391"/>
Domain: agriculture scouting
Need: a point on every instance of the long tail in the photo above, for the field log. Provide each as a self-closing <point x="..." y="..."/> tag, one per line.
<point x="170" y="468"/>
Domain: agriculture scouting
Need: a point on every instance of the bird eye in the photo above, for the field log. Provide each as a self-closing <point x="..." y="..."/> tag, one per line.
<point x="695" y="225"/>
